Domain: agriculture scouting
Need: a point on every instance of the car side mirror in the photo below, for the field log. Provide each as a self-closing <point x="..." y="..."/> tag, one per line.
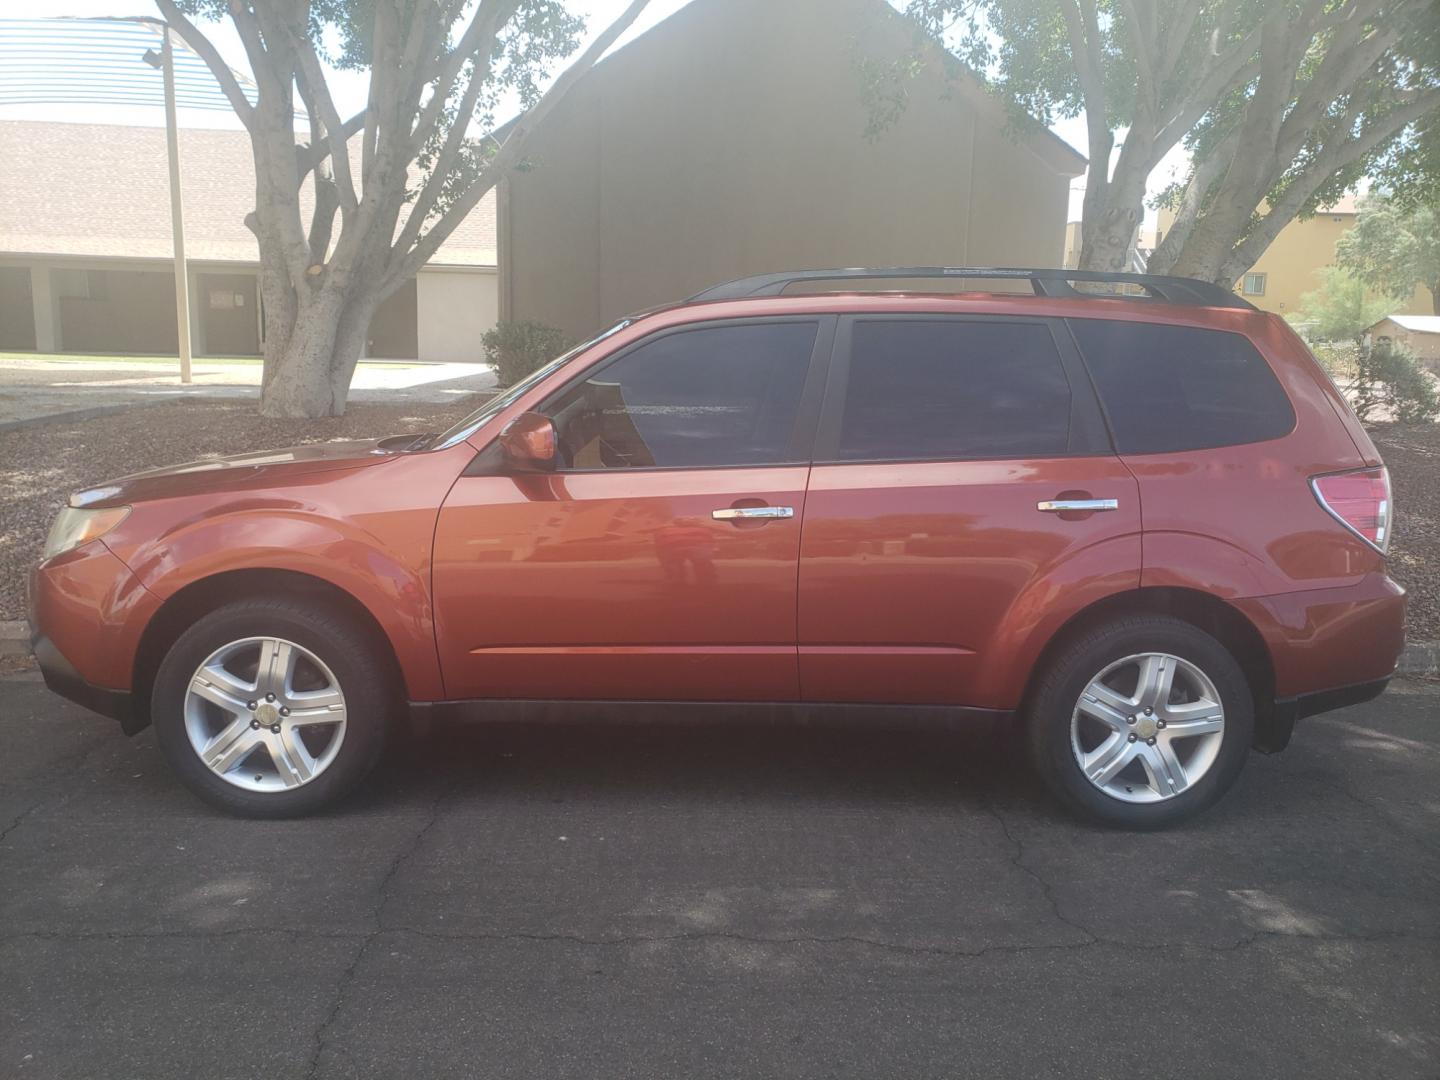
<point x="529" y="443"/>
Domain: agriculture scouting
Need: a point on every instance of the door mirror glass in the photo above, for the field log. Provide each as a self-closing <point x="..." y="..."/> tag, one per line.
<point x="528" y="443"/>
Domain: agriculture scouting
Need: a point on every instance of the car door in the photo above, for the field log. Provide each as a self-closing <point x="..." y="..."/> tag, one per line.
<point x="659" y="560"/>
<point x="936" y="534"/>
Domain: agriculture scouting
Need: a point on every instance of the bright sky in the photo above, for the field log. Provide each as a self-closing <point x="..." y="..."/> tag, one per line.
<point x="349" y="88"/>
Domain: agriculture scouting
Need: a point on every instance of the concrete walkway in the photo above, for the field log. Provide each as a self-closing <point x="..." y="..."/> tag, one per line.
<point x="41" y="387"/>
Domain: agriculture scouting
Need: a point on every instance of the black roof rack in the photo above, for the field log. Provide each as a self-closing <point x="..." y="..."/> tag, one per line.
<point x="1052" y="282"/>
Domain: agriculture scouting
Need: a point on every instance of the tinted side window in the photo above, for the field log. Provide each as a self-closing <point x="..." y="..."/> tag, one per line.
<point x="726" y="395"/>
<point x="1169" y="388"/>
<point x="924" y="390"/>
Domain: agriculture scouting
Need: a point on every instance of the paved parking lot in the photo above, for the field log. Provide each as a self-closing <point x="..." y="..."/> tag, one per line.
<point x="685" y="902"/>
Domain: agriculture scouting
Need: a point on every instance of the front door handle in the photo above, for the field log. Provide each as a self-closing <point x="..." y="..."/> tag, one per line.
<point x="753" y="513"/>
<point x="1062" y="506"/>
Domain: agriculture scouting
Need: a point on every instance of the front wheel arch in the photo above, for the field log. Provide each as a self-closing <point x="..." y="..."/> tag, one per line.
<point x="199" y="598"/>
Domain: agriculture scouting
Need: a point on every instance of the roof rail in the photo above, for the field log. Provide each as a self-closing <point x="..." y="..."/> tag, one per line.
<point x="1045" y="282"/>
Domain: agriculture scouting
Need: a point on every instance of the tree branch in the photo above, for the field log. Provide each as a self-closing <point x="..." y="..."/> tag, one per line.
<point x="509" y="153"/>
<point x="1324" y="165"/>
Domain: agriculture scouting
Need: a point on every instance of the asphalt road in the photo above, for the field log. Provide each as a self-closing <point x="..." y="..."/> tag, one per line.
<point x="681" y="902"/>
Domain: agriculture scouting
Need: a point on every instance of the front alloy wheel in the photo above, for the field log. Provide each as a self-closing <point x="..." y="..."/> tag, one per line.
<point x="265" y="714"/>
<point x="274" y="707"/>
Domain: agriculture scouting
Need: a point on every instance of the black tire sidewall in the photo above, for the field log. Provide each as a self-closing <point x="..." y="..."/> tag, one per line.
<point x="1052" y="708"/>
<point x="348" y="653"/>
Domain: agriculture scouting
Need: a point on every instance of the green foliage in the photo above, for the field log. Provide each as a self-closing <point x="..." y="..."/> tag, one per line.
<point x="1389" y="377"/>
<point x="518" y="348"/>
<point x="1342" y="308"/>
<point x="1394" y="247"/>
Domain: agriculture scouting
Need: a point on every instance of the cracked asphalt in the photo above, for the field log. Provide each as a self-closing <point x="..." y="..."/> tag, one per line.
<point x="711" y="901"/>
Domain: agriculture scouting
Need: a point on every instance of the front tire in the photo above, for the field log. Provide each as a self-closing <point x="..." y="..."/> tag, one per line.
<point x="1141" y="722"/>
<point x="271" y="708"/>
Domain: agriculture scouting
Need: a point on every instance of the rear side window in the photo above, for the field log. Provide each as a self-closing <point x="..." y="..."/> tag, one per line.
<point x="938" y="390"/>
<point x="1171" y="388"/>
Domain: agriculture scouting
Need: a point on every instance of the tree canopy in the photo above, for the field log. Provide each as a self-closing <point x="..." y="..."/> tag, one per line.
<point x="1394" y="247"/>
<point x="1282" y="104"/>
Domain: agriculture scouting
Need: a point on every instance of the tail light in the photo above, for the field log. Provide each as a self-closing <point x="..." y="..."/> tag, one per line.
<point x="1360" y="501"/>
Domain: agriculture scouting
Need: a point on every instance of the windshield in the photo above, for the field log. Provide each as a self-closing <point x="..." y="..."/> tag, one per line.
<point x="468" y="426"/>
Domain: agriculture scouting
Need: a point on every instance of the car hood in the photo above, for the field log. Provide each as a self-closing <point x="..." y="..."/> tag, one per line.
<point x="263" y="469"/>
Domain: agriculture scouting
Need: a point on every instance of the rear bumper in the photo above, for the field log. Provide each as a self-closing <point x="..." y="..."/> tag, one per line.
<point x="1329" y="648"/>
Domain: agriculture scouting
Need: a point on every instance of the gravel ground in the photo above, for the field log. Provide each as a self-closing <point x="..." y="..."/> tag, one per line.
<point x="40" y="466"/>
<point x="1412" y="451"/>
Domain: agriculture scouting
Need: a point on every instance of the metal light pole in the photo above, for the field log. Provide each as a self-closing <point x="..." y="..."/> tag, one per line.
<point x="165" y="60"/>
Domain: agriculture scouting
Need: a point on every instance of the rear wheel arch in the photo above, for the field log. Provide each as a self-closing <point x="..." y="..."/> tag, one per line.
<point x="198" y="598"/>
<point x="1225" y="623"/>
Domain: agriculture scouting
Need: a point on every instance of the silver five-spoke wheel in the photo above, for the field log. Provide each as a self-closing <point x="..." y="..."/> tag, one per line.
<point x="1147" y="727"/>
<point x="265" y="714"/>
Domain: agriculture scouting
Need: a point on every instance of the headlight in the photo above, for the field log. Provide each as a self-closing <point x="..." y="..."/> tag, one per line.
<point x="75" y="526"/>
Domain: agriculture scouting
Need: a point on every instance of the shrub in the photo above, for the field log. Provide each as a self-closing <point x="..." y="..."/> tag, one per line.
<point x="1386" y="376"/>
<point x="518" y="348"/>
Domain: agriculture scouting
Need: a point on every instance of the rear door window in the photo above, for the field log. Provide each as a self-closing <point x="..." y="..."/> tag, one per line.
<point x="1173" y="388"/>
<point x="953" y="389"/>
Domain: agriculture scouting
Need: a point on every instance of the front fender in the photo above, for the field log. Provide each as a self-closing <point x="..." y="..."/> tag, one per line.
<point x="389" y="584"/>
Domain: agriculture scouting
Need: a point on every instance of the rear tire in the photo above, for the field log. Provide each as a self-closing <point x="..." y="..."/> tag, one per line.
<point x="272" y="708"/>
<point x="1141" y="722"/>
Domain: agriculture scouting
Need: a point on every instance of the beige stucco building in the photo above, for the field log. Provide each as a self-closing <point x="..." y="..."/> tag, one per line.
<point x="1420" y="334"/>
<point x="730" y="140"/>
<point x="86" y="262"/>
<point x="1289" y="267"/>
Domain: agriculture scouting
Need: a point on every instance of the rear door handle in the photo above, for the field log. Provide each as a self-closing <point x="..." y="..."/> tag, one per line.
<point x="753" y="513"/>
<point x="1061" y="506"/>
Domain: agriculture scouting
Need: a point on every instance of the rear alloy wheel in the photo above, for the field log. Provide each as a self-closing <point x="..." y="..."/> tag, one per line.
<point x="1147" y="727"/>
<point x="272" y="707"/>
<point x="1141" y="722"/>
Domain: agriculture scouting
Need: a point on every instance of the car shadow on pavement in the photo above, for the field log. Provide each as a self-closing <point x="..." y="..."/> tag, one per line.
<point x="970" y="764"/>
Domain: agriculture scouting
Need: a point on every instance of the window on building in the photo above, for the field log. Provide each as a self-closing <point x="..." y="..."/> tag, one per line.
<point x="716" y="396"/>
<point x="953" y="389"/>
<point x="1254" y="285"/>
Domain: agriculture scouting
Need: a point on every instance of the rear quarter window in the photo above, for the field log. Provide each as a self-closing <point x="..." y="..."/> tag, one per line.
<point x="1174" y="388"/>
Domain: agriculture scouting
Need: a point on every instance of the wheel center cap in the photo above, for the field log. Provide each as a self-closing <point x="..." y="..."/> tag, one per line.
<point x="267" y="714"/>
<point x="1145" y="727"/>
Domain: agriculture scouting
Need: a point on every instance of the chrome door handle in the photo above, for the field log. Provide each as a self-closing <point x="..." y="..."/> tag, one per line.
<point x="1060" y="506"/>
<point x="753" y="513"/>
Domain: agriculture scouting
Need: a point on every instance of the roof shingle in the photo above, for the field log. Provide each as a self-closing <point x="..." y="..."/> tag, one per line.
<point x="102" y="190"/>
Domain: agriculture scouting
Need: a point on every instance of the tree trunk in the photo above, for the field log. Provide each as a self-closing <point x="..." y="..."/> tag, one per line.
<point x="1434" y="288"/>
<point x="311" y="367"/>
<point x="1105" y="243"/>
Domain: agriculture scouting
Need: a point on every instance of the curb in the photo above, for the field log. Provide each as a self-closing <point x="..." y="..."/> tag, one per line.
<point x="1421" y="659"/>
<point x="70" y="416"/>
<point x="14" y="638"/>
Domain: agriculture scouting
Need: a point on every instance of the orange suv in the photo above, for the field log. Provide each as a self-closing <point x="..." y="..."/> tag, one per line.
<point x="1142" y="523"/>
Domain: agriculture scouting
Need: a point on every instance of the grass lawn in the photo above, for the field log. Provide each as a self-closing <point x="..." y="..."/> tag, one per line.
<point x="172" y="361"/>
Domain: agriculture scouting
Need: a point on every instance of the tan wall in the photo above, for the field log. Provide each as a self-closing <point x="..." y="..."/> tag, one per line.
<point x="729" y="141"/>
<point x="1423" y="346"/>
<point x="456" y="308"/>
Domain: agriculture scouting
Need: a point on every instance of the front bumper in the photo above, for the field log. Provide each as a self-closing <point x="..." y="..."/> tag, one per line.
<point x="87" y="615"/>
<point x="61" y="677"/>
